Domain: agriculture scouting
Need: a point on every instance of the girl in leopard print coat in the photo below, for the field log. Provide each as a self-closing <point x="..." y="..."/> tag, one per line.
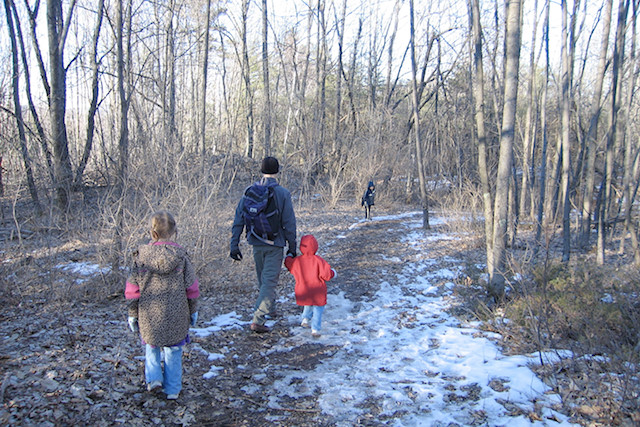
<point x="162" y="290"/>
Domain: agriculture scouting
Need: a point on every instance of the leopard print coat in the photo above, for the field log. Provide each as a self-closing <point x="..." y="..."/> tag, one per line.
<point x="163" y="290"/>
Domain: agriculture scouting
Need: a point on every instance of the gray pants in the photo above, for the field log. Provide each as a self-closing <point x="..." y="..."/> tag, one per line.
<point x="268" y="261"/>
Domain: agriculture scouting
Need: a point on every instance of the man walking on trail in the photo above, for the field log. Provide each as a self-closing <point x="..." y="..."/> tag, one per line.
<point x="266" y="213"/>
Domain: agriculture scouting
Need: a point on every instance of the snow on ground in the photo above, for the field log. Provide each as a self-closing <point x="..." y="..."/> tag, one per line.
<point x="85" y="270"/>
<point x="403" y="350"/>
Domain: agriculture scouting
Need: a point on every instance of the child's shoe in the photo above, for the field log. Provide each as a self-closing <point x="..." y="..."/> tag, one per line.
<point x="305" y="323"/>
<point x="154" y="385"/>
<point x="172" y="396"/>
<point x="315" y="334"/>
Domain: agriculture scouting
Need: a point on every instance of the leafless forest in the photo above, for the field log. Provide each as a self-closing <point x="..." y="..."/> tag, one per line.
<point x="521" y="117"/>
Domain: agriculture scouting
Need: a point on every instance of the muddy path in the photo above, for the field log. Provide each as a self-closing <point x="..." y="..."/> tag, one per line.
<point x="78" y="364"/>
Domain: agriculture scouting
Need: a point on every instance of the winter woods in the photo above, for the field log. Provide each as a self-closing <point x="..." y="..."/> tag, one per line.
<point x="523" y="111"/>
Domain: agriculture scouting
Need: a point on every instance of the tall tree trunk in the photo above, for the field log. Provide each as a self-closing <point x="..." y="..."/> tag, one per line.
<point x="337" y="134"/>
<point x="246" y="73"/>
<point x="351" y="78"/>
<point x="93" y="107"/>
<point x="123" y="100"/>
<point x="15" y="82"/>
<point x="170" y="82"/>
<point x="630" y="150"/>
<point x="605" y="187"/>
<point x="512" y="62"/>
<point x="122" y="92"/>
<point x="529" y="133"/>
<point x="389" y="87"/>
<point x="543" y="128"/>
<point x="265" y="76"/>
<point x="203" y="87"/>
<point x="591" y="137"/>
<point x="321" y="82"/>
<point x="27" y="79"/>
<point x="57" y="28"/>
<point x="566" y="142"/>
<point x="481" y="134"/>
<point x="416" y="125"/>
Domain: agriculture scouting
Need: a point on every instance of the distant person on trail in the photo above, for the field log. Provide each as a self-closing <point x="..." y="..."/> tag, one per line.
<point x="368" y="199"/>
<point x="311" y="273"/>
<point x="265" y="211"/>
<point x="163" y="291"/>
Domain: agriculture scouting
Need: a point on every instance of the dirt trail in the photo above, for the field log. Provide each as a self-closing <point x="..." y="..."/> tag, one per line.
<point x="79" y="364"/>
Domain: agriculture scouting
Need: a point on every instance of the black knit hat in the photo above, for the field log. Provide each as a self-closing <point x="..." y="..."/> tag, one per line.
<point x="270" y="166"/>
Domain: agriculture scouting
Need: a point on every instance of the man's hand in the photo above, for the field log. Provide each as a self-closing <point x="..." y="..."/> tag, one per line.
<point x="236" y="254"/>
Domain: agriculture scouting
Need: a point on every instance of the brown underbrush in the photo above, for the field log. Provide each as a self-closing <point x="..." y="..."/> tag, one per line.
<point x="584" y="320"/>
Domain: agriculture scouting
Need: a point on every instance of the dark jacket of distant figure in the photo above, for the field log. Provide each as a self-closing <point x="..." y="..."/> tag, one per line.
<point x="369" y="195"/>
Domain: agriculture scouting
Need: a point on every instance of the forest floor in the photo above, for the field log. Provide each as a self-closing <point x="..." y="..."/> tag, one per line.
<point x="75" y="362"/>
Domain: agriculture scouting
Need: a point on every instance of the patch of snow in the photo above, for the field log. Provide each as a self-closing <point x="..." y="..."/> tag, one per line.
<point x="607" y="299"/>
<point x="83" y="268"/>
<point x="223" y="322"/>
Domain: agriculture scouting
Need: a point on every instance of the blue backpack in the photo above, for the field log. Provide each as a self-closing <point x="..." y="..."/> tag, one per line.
<point x="261" y="215"/>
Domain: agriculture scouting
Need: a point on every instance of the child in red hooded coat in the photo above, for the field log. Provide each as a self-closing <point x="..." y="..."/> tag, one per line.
<point x="311" y="272"/>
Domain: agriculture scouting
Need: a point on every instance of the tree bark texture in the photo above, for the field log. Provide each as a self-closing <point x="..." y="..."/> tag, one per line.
<point x="265" y="76"/>
<point x="246" y="73"/>
<point x="57" y="31"/>
<point x="481" y="134"/>
<point x="93" y="107"/>
<point x="507" y="136"/>
<point x="15" y="83"/>
<point x="416" y="125"/>
<point x="606" y="185"/>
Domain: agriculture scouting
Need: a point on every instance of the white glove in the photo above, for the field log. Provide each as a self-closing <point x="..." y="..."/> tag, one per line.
<point x="133" y="324"/>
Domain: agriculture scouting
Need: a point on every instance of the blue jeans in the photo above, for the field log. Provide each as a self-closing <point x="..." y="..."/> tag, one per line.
<point x="314" y="314"/>
<point x="153" y="371"/>
<point x="268" y="261"/>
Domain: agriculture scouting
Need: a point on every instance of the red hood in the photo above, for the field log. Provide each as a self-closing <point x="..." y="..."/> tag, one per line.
<point x="308" y="245"/>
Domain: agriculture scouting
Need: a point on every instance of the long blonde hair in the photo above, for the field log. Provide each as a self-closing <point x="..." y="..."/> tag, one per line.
<point x="163" y="225"/>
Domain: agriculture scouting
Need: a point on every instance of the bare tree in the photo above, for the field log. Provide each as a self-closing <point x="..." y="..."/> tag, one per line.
<point x="203" y="87"/>
<point x="93" y="107"/>
<point x="15" y="82"/>
<point x="606" y="184"/>
<point x="123" y="97"/>
<point x="529" y="140"/>
<point x="246" y="73"/>
<point x="543" y="129"/>
<point x="58" y="27"/>
<point x="320" y="110"/>
<point x="512" y="62"/>
<point x="42" y="137"/>
<point x="350" y="79"/>
<point x="390" y="85"/>
<point x="566" y="55"/>
<point x="480" y="132"/>
<point x="591" y="138"/>
<point x="337" y="135"/>
<point x="265" y="76"/>
<point x="416" y="123"/>
<point x="169" y="82"/>
<point x="631" y="152"/>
